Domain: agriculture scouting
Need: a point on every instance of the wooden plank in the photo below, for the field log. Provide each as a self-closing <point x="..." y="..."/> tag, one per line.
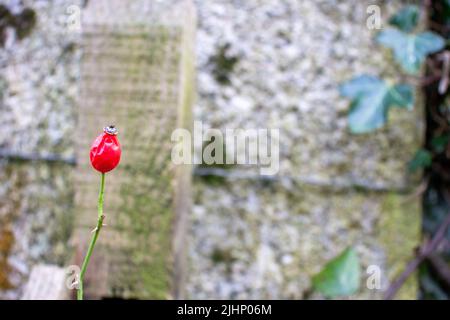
<point x="139" y="253"/>
<point x="46" y="282"/>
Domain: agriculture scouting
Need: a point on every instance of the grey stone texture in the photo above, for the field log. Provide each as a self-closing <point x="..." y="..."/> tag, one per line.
<point x="278" y="64"/>
<point x="260" y="64"/>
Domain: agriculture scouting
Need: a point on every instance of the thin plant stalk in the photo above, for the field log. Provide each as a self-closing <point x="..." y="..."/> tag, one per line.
<point x="101" y="217"/>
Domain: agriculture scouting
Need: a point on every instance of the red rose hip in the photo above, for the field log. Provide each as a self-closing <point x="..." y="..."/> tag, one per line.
<point x="105" y="151"/>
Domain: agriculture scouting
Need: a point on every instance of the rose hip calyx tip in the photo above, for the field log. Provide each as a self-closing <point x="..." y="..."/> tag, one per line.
<point x="111" y="130"/>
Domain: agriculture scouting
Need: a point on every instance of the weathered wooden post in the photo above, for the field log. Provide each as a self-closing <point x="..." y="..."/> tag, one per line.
<point x="137" y="73"/>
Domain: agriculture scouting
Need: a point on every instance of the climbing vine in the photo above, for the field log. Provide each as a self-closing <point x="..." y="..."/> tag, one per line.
<point x="372" y="97"/>
<point x="370" y="101"/>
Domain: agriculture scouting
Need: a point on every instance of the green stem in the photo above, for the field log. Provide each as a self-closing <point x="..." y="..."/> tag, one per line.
<point x="101" y="217"/>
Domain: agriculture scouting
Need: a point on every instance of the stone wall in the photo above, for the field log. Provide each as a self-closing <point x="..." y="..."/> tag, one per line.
<point x="278" y="64"/>
<point x="38" y="73"/>
<point x="261" y="64"/>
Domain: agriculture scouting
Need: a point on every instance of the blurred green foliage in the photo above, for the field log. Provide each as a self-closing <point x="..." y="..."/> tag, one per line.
<point x="410" y="50"/>
<point x="371" y="100"/>
<point x="422" y="159"/>
<point x="406" y="19"/>
<point x="372" y="97"/>
<point x="340" y="276"/>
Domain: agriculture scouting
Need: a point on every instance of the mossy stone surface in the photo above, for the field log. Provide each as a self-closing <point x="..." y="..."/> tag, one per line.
<point x="266" y="241"/>
<point x="133" y="76"/>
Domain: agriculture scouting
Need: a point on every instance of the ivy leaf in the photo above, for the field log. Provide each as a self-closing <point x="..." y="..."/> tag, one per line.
<point x="340" y="276"/>
<point x="422" y="159"/>
<point x="371" y="100"/>
<point x="440" y="143"/>
<point x="406" y="19"/>
<point x="410" y="50"/>
<point x="446" y="11"/>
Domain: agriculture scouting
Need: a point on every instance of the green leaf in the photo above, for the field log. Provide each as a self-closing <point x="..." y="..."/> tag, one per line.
<point x="410" y="50"/>
<point x="422" y="159"/>
<point x="371" y="100"/>
<point x="446" y="11"/>
<point x="340" y="276"/>
<point x="406" y="19"/>
<point x="440" y="143"/>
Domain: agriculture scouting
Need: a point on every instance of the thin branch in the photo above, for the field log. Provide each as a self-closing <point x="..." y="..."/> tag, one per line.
<point x="424" y="252"/>
<point x="441" y="267"/>
<point x="420" y="190"/>
<point x="443" y="83"/>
